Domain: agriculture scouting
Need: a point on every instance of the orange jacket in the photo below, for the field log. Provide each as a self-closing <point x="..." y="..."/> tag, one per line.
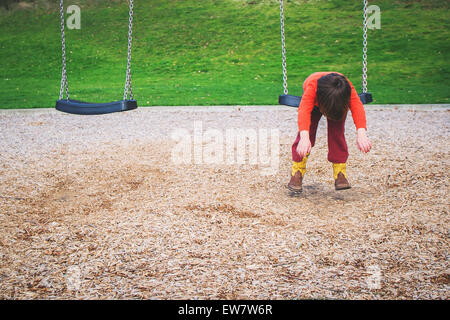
<point x="309" y="100"/>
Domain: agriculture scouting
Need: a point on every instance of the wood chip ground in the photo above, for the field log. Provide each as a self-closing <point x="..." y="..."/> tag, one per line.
<point x="94" y="208"/>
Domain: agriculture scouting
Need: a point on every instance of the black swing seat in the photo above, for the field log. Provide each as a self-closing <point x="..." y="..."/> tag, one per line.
<point x="365" y="97"/>
<point x="87" y="108"/>
<point x="294" y="101"/>
<point x="289" y="100"/>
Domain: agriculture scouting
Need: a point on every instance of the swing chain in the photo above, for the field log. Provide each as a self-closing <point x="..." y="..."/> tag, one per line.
<point x="283" y="48"/>
<point x="64" y="83"/>
<point x="364" y="69"/>
<point x="128" y="86"/>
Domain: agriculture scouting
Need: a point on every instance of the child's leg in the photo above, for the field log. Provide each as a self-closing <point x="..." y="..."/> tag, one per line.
<point x="337" y="146"/>
<point x="315" y="117"/>
<point x="299" y="164"/>
<point x="338" y="153"/>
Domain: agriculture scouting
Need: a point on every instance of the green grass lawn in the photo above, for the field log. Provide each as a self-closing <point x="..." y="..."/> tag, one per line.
<point x="223" y="52"/>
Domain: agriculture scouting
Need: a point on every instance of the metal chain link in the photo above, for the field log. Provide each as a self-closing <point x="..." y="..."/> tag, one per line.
<point x="64" y="83"/>
<point x="364" y="69"/>
<point x="283" y="48"/>
<point x="128" y="86"/>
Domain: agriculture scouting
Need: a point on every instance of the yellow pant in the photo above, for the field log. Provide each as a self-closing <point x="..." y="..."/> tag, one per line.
<point x="301" y="166"/>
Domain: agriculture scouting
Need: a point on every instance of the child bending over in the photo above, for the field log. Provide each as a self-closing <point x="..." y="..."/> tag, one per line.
<point x="332" y="95"/>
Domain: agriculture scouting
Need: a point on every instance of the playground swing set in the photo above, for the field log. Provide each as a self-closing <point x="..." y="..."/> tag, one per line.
<point x="128" y="103"/>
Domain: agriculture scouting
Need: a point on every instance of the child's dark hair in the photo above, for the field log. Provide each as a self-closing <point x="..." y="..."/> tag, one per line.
<point x="333" y="96"/>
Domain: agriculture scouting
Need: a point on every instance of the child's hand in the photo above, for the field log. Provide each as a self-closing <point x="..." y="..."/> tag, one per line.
<point x="362" y="141"/>
<point x="304" y="146"/>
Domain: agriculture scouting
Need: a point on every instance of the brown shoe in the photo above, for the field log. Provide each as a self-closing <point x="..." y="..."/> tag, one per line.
<point x="341" y="183"/>
<point x="295" y="185"/>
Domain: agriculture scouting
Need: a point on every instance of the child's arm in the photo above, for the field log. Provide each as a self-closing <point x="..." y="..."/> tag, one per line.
<point x="304" y="119"/>
<point x="359" y="118"/>
<point x="357" y="109"/>
<point x="362" y="141"/>
<point x="304" y="145"/>
<point x="306" y="107"/>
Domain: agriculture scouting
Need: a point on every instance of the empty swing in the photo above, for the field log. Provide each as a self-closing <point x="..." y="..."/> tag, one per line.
<point x="294" y="101"/>
<point x="79" y="107"/>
